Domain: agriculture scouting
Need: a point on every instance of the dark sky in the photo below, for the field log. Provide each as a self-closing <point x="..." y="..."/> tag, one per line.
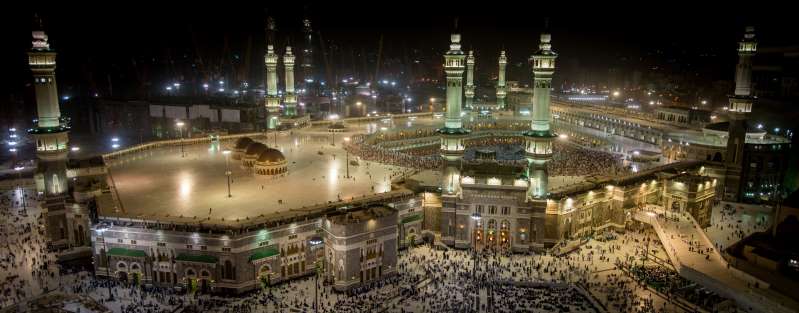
<point x="106" y="32"/>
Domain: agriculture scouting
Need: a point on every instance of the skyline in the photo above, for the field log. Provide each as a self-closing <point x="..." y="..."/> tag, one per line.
<point x="584" y="40"/>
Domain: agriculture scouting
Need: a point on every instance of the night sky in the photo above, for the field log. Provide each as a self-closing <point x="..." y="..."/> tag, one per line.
<point x="106" y="34"/>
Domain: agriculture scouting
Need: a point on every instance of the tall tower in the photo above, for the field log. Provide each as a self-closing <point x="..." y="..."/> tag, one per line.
<point x="453" y="133"/>
<point x="469" y="80"/>
<point x="272" y="99"/>
<point x="307" y="53"/>
<point x="740" y="106"/>
<point x="291" y="97"/>
<point x="501" y="92"/>
<point x="539" y="137"/>
<point x="51" y="137"/>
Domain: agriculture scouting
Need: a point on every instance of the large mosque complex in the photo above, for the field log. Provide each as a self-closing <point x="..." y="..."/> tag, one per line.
<point x="229" y="213"/>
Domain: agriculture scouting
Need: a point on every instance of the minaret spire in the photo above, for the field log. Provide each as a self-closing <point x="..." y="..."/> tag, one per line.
<point x="539" y="137"/>
<point x="740" y="106"/>
<point x="501" y="92"/>
<point x="453" y="133"/>
<point x="271" y="58"/>
<point x="291" y="97"/>
<point x="469" y="90"/>
<point x="50" y="133"/>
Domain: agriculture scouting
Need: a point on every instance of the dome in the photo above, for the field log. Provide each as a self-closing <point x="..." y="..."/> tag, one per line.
<point x="271" y="155"/>
<point x="243" y="142"/>
<point x="255" y="148"/>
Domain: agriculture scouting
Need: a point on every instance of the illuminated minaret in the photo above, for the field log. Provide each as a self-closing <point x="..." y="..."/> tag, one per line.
<point x="740" y="106"/>
<point x="291" y="98"/>
<point x="469" y="92"/>
<point x="51" y="136"/>
<point x="272" y="99"/>
<point x="501" y="92"/>
<point x="453" y="133"/>
<point x="539" y="137"/>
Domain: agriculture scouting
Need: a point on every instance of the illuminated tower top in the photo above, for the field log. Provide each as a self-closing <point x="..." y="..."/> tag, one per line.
<point x="543" y="69"/>
<point x="469" y="77"/>
<point x="288" y="62"/>
<point x="743" y="73"/>
<point x="503" y="62"/>
<point x="454" y="66"/>
<point x="501" y="92"/>
<point x="271" y="71"/>
<point x="42" y="61"/>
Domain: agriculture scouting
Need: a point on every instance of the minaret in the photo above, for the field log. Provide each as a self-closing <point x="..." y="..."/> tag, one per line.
<point x="291" y="97"/>
<point x="272" y="99"/>
<point x="453" y="133"/>
<point x="539" y="137"/>
<point x="51" y="137"/>
<point x="740" y="106"/>
<point x="469" y="80"/>
<point x="501" y="92"/>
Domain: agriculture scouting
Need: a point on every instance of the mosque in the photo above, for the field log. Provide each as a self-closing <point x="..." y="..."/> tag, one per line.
<point x="502" y="199"/>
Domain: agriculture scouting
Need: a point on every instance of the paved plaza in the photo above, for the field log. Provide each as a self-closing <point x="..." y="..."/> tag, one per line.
<point x="162" y="181"/>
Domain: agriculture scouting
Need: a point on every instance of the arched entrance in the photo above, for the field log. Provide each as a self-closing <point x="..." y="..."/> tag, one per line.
<point x="264" y="275"/>
<point x="123" y="276"/>
<point x="410" y="238"/>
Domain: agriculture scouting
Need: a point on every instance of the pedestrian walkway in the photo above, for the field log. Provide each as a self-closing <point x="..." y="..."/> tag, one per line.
<point x="696" y="259"/>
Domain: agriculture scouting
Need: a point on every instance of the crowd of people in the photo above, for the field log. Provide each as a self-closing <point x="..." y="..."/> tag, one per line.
<point x="570" y="160"/>
<point x="26" y="267"/>
<point x="567" y="159"/>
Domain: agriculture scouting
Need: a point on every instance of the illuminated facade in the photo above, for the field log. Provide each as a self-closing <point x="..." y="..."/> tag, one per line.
<point x="348" y="246"/>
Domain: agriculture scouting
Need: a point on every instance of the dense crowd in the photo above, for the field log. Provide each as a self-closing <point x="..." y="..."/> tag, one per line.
<point x="26" y="266"/>
<point x="567" y="159"/>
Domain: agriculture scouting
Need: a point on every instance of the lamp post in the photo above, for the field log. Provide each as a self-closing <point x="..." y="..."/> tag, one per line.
<point x="318" y="268"/>
<point x="227" y="170"/>
<point x="180" y="128"/>
<point x="347" y="152"/>
<point x="476" y="216"/>
<point x="101" y="230"/>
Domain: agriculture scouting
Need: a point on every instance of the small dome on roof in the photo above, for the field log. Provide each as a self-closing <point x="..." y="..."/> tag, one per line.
<point x="243" y="142"/>
<point x="271" y="155"/>
<point x="255" y="148"/>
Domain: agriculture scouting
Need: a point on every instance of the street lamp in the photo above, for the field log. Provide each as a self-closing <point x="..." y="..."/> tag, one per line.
<point x="347" y="142"/>
<point x="227" y="170"/>
<point x="180" y="128"/>
<point x="318" y="268"/>
<point x="101" y="229"/>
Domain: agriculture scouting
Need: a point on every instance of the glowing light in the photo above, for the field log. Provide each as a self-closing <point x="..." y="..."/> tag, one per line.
<point x="75" y="149"/>
<point x="563" y="136"/>
<point x="115" y="139"/>
<point x="116" y="145"/>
